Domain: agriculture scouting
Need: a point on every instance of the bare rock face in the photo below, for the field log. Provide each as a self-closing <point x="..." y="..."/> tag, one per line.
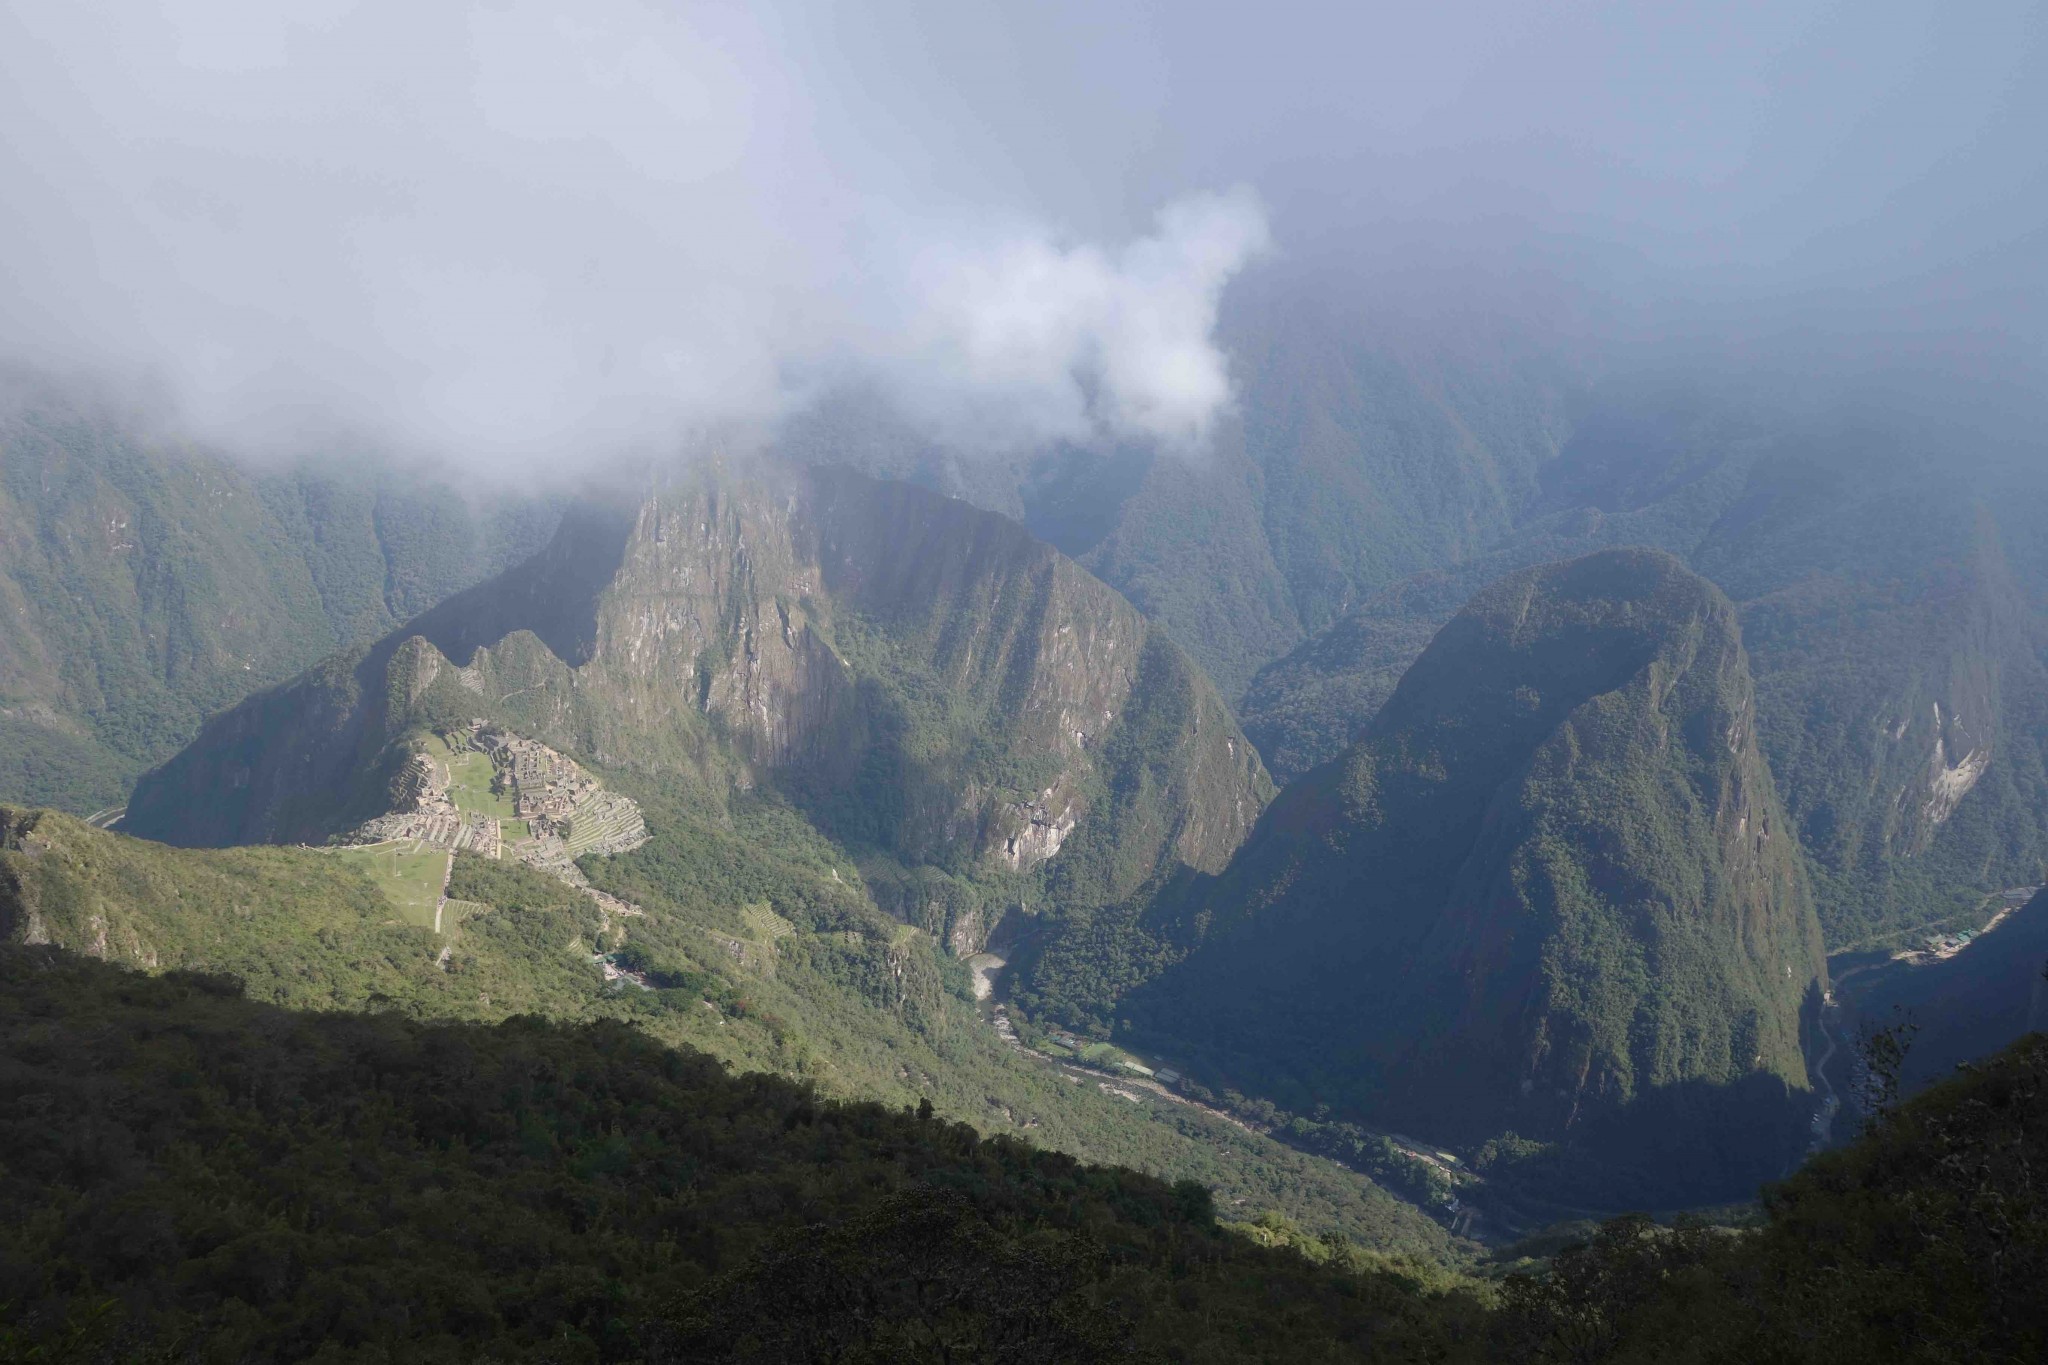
<point x="1043" y="826"/>
<point x="919" y="675"/>
<point x="1935" y="738"/>
<point x="1951" y="775"/>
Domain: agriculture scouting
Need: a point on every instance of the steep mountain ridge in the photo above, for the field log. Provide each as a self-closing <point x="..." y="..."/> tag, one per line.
<point x="1378" y="432"/>
<point x="1551" y="890"/>
<point x="1382" y="425"/>
<point x="1893" y="622"/>
<point x="921" y="677"/>
<point x="1903" y="691"/>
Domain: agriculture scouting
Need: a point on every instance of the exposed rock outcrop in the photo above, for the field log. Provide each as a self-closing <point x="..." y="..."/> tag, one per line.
<point x="922" y="677"/>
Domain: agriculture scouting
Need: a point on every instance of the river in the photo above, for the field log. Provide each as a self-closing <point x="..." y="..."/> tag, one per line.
<point x="1963" y="1005"/>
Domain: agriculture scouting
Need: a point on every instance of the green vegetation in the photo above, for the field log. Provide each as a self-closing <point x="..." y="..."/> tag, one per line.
<point x="147" y="586"/>
<point x="756" y="955"/>
<point x="1541" y="894"/>
<point x="52" y="767"/>
<point x="1925" y="1242"/>
<point x="301" y="927"/>
<point x="471" y="782"/>
<point x="1360" y="457"/>
<point x="944" y="691"/>
<point x="508" y="885"/>
<point x="186" y="1167"/>
<point x="941" y="696"/>
<point x="1308" y="707"/>
<point x="1542" y="897"/>
<point x="409" y="874"/>
<point x="1889" y="582"/>
<point x="189" y="1171"/>
<point x="819" y="984"/>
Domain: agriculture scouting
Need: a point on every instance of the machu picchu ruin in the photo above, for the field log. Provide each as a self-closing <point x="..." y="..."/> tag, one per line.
<point x="567" y="812"/>
<point x="481" y="789"/>
<point x="424" y="809"/>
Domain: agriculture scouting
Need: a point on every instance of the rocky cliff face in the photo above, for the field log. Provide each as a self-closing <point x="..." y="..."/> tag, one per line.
<point x="919" y="676"/>
<point x="1550" y="885"/>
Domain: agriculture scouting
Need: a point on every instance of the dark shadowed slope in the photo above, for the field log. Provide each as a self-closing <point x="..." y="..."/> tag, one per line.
<point x="189" y="1168"/>
<point x="1551" y="890"/>
<point x="1961" y="1006"/>
<point x="752" y="947"/>
<point x="1924" y="1243"/>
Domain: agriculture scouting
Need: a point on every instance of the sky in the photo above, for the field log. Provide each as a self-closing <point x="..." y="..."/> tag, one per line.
<point x="525" y="235"/>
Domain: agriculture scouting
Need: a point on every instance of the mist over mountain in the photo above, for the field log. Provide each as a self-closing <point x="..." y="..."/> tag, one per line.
<point x="1885" y="557"/>
<point x="524" y="239"/>
<point x="1412" y="621"/>
<point x="148" y="584"/>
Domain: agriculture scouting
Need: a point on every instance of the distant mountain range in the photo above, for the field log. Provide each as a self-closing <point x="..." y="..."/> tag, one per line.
<point x="1380" y="429"/>
<point x="1605" y="708"/>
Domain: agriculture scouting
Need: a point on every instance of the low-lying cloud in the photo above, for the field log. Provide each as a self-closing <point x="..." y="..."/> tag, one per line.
<point x="1025" y="339"/>
<point x="525" y="232"/>
<point x="529" y="234"/>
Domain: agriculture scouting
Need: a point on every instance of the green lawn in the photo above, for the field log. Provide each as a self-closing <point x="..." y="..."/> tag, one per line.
<point x="469" y="774"/>
<point x="1108" y="1055"/>
<point x="409" y="874"/>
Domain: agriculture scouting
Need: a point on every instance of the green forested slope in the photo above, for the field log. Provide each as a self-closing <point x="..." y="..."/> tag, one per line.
<point x="1381" y="427"/>
<point x="1372" y="439"/>
<point x="147" y="584"/>
<point x="1646" y="468"/>
<point x="1550" y="891"/>
<point x="1926" y="1241"/>
<point x="760" y="943"/>
<point x="189" y="1171"/>
<point x="191" y="1174"/>
<point x="1889" y="574"/>
<point x="933" y="688"/>
<point x="1901" y="689"/>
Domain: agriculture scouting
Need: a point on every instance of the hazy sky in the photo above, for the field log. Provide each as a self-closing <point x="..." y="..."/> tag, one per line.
<point x="528" y="232"/>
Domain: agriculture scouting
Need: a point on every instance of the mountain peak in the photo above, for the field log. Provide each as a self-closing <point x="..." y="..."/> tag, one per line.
<point x="920" y="676"/>
<point x="1549" y="889"/>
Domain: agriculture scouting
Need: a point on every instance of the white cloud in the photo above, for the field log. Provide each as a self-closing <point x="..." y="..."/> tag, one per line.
<point x="1026" y="338"/>
<point x="520" y="232"/>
